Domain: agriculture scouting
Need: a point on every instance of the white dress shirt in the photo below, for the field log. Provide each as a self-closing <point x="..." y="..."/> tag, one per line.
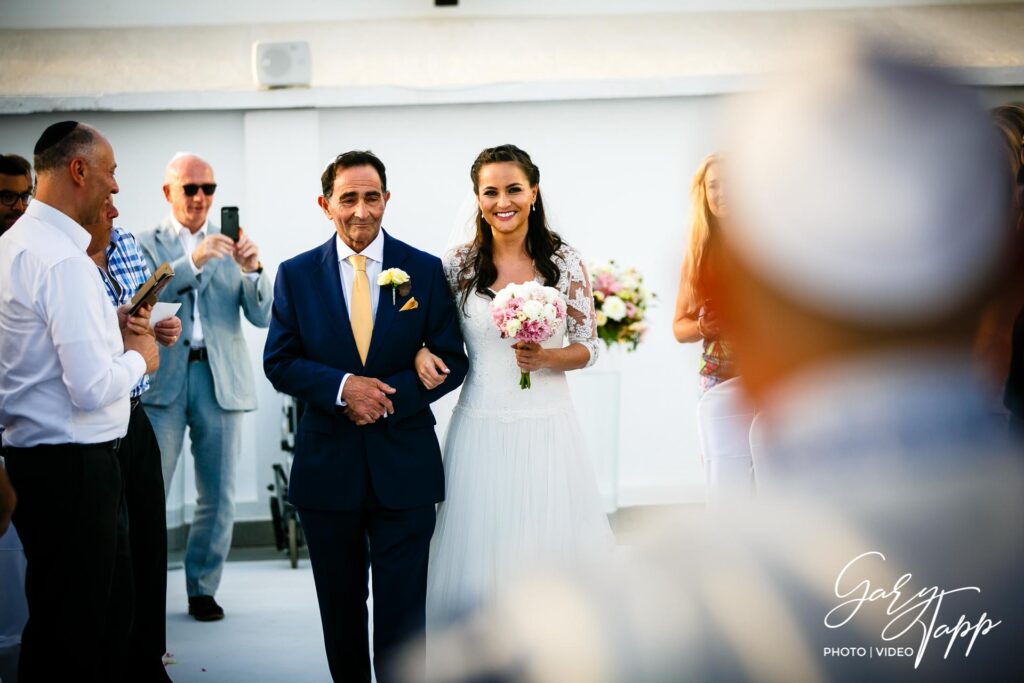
<point x="374" y="253"/>
<point x="64" y="374"/>
<point x="189" y="242"/>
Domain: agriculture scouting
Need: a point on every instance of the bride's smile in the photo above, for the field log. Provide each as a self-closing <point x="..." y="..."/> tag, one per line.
<point x="506" y="197"/>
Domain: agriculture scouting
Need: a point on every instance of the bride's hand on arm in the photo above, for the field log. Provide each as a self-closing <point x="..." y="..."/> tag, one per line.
<point x="531" y="356"/>
<point x="430" y="368"/>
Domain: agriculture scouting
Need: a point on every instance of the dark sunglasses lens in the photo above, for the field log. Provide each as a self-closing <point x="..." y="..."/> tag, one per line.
<point x="191" y="189"/>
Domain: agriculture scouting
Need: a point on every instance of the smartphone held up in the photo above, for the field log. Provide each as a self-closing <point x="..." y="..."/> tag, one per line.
<point x="229" y="222"/>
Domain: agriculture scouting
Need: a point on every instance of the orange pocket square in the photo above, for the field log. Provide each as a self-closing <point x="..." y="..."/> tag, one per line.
<point x="409" y="305"/>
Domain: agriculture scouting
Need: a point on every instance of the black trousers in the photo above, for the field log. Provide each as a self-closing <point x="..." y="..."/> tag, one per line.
<point x="77" y="582"/>
<point x="342" y="547"/>
<point x="139" y="458"/>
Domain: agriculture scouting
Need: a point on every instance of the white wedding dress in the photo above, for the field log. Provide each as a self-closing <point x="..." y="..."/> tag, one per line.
<point x="520" y="489"/>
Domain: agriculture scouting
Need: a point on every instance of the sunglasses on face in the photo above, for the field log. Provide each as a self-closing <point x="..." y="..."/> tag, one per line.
<point x="8" y="198"/>
<point x="191" y="189"/>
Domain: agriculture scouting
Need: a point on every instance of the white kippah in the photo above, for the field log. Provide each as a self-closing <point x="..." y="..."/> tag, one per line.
<point x="867" y="188"/>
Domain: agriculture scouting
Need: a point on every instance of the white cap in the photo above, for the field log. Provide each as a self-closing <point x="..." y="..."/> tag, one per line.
<point x="867" y="188"/>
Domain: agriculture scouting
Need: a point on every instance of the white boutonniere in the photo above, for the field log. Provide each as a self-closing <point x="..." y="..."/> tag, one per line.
<point x="399" y="281"/>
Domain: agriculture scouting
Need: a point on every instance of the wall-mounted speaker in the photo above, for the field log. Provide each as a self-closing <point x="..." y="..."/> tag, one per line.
<point x="280" y="65"/>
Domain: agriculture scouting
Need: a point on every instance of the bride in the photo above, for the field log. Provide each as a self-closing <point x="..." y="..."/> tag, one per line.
<point x="519" y="486"/>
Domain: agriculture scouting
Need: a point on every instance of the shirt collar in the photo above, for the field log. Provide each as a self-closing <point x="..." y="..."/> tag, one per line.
<point x="60" y="220"/>
<point x="178" y="227"/>
<point x="374" y="250"/>
<point x="116" y="235"/>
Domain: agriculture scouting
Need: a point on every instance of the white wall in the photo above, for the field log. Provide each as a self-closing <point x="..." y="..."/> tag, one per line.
<point x="615" y="172"/>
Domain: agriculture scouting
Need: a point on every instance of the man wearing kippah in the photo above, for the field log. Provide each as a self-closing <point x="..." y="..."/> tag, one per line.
<point x="15" y="189"/>
<point x="206" y="384"/>
<point x="67" y="365"/>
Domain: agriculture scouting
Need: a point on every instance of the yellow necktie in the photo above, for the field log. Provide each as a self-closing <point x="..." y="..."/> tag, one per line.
<point x="361" y="315"/>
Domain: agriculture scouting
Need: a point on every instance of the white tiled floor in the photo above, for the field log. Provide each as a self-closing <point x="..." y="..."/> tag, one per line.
<point x="271" y="631"/>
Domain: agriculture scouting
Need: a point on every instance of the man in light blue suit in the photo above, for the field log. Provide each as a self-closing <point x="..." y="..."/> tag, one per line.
<point x="206" y="382"/>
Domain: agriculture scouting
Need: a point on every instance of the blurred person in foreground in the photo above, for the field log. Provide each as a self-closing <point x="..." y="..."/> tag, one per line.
<point x="868" y="228"/>
<point x="67" y="365"/>
<point x="1001" y="336"/>
<point x="123" y="269"/>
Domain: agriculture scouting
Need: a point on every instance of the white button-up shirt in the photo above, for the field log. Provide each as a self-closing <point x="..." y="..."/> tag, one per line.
<point x="189" y="242"/>
<point x="374" y="253"/>
<point x="64" y="373"/>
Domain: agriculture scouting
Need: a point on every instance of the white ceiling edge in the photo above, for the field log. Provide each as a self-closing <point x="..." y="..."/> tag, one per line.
<point x="76" y="14"/>
<point x="392" y="96"/>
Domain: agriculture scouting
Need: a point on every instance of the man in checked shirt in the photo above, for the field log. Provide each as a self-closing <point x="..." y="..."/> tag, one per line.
<point x="124" y="270"/>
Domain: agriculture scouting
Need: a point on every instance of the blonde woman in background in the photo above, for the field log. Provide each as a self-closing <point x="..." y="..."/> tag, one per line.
<point x="723" y="417"/>
<point x="695" y="317"/>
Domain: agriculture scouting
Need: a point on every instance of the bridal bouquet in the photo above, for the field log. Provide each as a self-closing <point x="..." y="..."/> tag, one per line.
<point x="620" y="301"/>
<point x="527" y="313"/>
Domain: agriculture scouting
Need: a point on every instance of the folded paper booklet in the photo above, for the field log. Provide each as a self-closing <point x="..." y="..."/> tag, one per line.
<point x="151" y="288"/>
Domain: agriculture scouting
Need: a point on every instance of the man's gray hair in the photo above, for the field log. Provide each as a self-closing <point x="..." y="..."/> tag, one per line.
<point x="79" y="142"/>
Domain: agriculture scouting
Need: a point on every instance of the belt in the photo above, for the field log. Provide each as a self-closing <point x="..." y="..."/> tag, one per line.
<point x="113" y="445"/>
<point x="197" y="354"/>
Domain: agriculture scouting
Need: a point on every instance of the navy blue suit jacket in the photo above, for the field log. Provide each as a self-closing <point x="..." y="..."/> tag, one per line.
<point x="310" y="347"/>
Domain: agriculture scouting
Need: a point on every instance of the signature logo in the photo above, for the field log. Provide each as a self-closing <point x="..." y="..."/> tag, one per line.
<point x="918" y="611"/>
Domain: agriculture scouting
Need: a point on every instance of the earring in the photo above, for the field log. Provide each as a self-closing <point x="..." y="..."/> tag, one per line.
<point x="533" y="207"/>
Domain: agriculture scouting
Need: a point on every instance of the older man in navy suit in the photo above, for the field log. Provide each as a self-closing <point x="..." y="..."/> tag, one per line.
<point x="367" y="470"/>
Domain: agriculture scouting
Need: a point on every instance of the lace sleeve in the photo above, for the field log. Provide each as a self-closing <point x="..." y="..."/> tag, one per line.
<point x="454" y="261"/>
<point x="574" y="283"/>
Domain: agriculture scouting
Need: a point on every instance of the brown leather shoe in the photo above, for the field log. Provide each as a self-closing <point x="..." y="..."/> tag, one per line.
<point x="205" y="608"/>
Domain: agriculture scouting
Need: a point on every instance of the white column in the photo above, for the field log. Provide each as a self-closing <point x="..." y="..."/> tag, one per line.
<point x="281" y="168"/>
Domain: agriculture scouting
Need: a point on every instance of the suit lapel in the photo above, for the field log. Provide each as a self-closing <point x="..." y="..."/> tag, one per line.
<point x="394" y="257"/>
<point x="169" y="241"/>
<point x="327" y="283"/>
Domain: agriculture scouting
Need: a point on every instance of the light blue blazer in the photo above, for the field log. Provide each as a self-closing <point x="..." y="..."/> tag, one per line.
<point x="224" y="293"/>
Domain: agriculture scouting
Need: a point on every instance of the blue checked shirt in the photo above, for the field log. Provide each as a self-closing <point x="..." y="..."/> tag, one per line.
<point x="126" y="265"/>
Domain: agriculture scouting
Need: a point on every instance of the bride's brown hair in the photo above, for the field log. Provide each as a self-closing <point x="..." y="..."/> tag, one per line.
<point x="479" y="273"/>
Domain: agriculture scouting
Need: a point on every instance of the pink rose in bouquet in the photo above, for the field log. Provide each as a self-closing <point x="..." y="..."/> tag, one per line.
<point x="529" y="313"/>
